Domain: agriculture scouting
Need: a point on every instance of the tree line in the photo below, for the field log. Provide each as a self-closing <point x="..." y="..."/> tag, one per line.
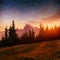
<point x="10" y="37"/>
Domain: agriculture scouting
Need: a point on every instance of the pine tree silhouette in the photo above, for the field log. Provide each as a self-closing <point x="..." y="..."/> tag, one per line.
<point x="31" y="35"/>
<point x="13" y="30"/>
<point x="6" y="33"/>
<point x="40" y="37"/>
<point x="12" y="34"/>
<point x="10" y="37"/>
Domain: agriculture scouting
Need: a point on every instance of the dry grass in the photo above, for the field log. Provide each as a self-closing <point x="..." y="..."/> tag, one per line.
<point x="49" y="50"/>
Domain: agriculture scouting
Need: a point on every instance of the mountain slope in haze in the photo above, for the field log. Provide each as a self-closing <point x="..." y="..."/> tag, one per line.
<point x="48" y="50"/>
<point x="1" y="34"/>
<point x="26" y="28"/>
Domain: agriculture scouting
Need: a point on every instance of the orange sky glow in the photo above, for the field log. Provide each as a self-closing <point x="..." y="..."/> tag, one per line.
<point x="21" y="25"/>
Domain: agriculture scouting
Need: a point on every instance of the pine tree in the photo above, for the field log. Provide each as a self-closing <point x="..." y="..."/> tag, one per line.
<point x="33" y="35"/>
<point x="40" y="37"/>
<point x="24" y="38"/>
<point x="47" y="33"/>
<point x="12" y="34"/>
<point x="6" y="33"/>
<point x="13" y="30"/>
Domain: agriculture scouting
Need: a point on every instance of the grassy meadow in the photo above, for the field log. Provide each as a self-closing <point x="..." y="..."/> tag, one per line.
<point x="49" y="50"/>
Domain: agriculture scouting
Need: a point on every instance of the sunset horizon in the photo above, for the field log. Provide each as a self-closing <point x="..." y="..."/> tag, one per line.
<point x="21" y="26"/>
<point x="29" y="29"/>
<point x="31" y="12"/>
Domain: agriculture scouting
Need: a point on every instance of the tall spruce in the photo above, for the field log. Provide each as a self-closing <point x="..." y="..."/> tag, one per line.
<point x="13" y="29"/>
<point x="40" y="37"/>
<point x="6" y="33"/>
<point x="33" y="35"/>
<point x="12" y="34"/>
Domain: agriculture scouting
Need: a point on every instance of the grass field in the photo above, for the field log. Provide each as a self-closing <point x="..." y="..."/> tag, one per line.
<point x="49" y="50"/>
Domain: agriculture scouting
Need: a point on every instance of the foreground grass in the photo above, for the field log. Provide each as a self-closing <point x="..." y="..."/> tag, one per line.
<point x="49" y="50"/>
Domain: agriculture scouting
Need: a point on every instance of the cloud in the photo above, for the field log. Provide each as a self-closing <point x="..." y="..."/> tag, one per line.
<point x="33" y="21"/>
<point x="53" y="17"/>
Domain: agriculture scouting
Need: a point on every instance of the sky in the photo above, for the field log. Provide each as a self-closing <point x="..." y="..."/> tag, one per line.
<point x="31" y="12"/>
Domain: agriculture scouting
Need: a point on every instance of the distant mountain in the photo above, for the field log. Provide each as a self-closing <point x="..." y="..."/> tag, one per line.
<point x="26" y="28"/>
<point x="1" y="34"/>
<point x="36" y="30"/>
<point x="19" y="32"/>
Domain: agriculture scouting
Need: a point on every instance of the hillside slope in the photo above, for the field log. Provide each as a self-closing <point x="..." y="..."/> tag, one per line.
<point x="49" y="50"/>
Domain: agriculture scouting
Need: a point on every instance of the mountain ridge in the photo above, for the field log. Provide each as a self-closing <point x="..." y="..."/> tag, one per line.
<point x="26" y="28"/>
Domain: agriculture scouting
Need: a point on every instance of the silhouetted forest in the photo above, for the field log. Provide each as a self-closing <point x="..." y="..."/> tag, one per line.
<point x="11" y="38"/>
